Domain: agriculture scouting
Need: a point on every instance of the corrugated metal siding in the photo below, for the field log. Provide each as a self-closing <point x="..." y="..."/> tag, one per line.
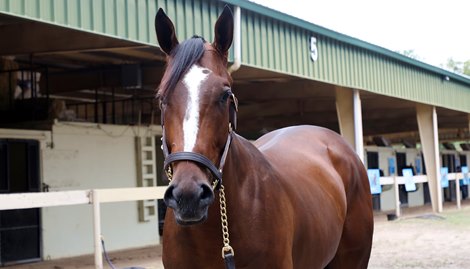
<point x="275" y="45"/>
<point x="268" y="42"/>
<point x="125" y="19"/>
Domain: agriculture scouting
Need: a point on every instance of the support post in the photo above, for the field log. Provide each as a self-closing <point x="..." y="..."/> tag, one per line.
<point x="349" y="110"/>
<point x="358" y="137"/>
<point x="428" y="132"/>
<point x="345" y="111"/>
<point x="458" y="197"/>
<point x="396" y="190"/>
<point x="237" y="39"/>
<point x="97" y="229"/>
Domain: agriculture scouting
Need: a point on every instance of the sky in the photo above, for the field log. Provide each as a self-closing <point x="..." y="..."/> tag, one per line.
<point x="434" y="29"/>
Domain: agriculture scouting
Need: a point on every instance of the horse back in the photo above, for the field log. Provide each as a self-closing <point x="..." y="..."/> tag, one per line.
<point x="320" y="151"/>
<point x="325" y="181"/>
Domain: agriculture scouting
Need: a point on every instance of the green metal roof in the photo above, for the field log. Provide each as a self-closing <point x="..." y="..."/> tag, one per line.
<point x="280" y="42"/>
<point x="271" y="40"/>
<point x="294" y="21"/>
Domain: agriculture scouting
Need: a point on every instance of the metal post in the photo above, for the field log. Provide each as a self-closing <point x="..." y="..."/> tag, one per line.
<point x="345" y="111"/>
<point x="47" y="89"/>
<point x="237" y="47"/>
<point x="457" y="190"/>
<point x="437" y="157"/>
<point x="113" y="105"/>
<point x="22" y="85"/>
<point x="96" y="106"/>
<point x="97" y="229"/>
<point x="104" y="111"/>
<point x="427" y="124"/>
<point x="396" y="189"/>
<point x="358" y="139"/>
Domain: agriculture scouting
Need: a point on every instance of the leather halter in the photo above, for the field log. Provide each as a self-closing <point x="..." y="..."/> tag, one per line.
<point x="197" y="157"/>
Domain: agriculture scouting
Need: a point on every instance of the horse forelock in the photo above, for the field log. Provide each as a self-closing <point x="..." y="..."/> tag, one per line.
<point x="181" y="59"/>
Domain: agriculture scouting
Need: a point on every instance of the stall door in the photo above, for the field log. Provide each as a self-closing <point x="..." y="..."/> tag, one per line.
<point x="373" y="163"/>
<point x="19" y="229"/>
<point x="449" y="161"/>
<point x="401" y="163"/>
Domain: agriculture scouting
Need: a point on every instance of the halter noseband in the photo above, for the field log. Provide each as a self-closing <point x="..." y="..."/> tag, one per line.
<point x="197" y="157"/>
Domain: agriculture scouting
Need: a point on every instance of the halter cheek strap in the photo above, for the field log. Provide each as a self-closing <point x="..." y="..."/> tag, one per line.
<point x="195" y="157"/>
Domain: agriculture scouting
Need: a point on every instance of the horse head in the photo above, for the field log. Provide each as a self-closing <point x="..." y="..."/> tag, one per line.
<point x="197" y="107"/>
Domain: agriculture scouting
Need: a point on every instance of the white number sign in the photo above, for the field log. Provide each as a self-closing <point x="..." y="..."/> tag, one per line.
<point x="313" y="49"/>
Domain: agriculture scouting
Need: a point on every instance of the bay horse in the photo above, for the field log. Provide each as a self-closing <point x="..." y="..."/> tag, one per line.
<point x="297" y="197"/>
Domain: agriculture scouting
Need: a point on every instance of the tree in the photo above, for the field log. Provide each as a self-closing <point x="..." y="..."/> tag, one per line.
<point x="458" y="66"/>
<point x="466" y="68"/>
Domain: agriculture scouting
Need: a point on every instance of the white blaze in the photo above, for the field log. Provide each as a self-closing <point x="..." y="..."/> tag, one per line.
<point x="193" y="81"/>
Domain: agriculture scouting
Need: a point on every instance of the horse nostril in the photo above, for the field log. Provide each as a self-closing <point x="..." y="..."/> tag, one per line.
<point x="175" y="198"/>
<point x="169" y="197"/>
<point x="207" y="195"/>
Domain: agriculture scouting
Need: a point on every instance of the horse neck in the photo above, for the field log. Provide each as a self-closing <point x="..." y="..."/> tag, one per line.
<point x="238" y="176"/>
<point x="244" y="163"/>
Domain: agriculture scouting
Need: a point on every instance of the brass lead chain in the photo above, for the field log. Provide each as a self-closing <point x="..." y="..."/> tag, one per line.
<point x="223" y="217"/>
<point x="169" y="173"/>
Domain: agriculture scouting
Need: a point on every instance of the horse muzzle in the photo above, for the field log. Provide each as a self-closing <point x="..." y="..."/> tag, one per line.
<point x="190" y="202"/>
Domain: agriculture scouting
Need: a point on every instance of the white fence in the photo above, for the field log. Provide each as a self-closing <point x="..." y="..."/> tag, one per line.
<point x="399" y="180"/>
<point x="94" y="197"/>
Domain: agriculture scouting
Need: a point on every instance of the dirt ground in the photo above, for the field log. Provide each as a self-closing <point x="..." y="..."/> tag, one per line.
<point x="418" y="240"/>
<point x="423" y="240"/>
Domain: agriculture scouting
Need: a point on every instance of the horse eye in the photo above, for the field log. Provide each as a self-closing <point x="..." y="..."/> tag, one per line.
<point x="225" y="95"/>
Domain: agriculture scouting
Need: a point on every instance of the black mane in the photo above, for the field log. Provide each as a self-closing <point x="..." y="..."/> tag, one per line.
<point x="182" y="57"/>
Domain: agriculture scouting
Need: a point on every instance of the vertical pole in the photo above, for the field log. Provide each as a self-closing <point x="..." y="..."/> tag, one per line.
<point x="96" y="105"/>
<point x="47" y="89"/>
<point x="345" y="112"/>
<point x="31" y="76"/>
<point x="358" y="139"/>
<point x="237" y="47"/>
<point x="113" y="105"/>
<point x="97" y="229"/>
<point x="133" y="107"/>
<point x="427" y="124"/>
<point x="437" y="157"/>
<point x="396" y="190"/>
<point x="457" y="189"/>
<point x="458" y="196"/>
<point x="22" y="84"/>
<point x="104" y="111"/>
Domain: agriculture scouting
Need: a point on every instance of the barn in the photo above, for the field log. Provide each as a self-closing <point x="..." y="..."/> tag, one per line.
<point x="78" y="112"/>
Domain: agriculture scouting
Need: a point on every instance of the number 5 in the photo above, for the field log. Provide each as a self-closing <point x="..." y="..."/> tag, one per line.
<point x="313" y="49"/>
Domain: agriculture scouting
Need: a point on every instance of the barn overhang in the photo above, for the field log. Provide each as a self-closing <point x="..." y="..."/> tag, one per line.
<point x="88" y="48"/>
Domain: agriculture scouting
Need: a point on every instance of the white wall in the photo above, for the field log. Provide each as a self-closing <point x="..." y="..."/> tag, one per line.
<point x="86" y="156"/>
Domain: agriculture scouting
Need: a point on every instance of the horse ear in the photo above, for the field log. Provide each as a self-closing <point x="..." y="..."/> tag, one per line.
<point x="224" y="31"/>
<point x="165" y="32"/>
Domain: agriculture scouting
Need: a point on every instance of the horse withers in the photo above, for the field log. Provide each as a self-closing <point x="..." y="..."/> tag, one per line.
<point x="297" y="197"/>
